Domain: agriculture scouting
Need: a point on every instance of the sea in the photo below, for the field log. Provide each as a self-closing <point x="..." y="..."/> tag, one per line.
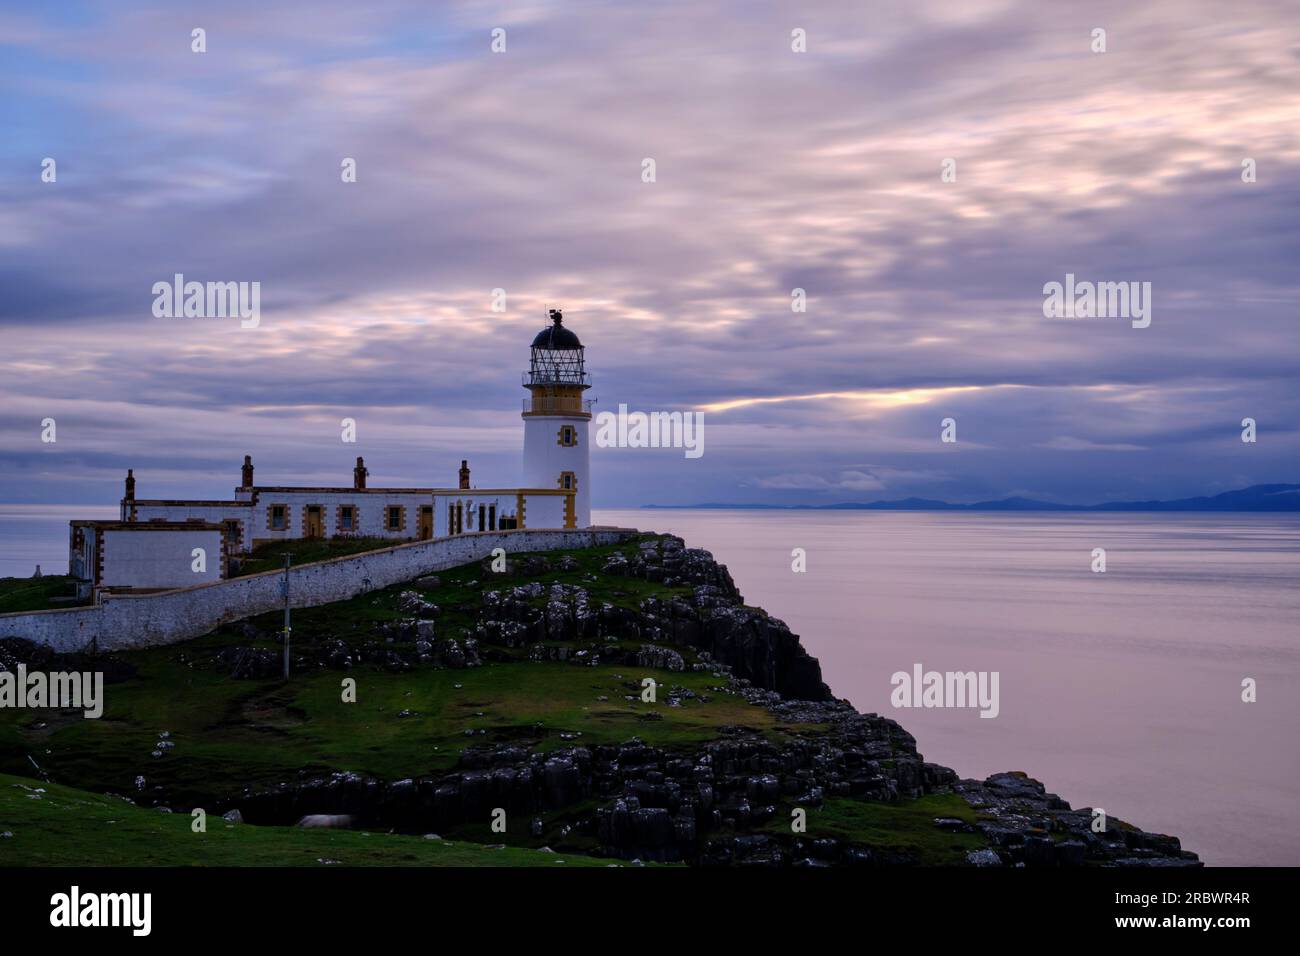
<point x="1120" y="690"/>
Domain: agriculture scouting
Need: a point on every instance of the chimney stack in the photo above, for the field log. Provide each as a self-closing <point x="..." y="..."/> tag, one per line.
<point x="130" y="484"/>
<point x="247" y="479"/>
<point x="464" y="473"/>
<point x="359" y="473"/>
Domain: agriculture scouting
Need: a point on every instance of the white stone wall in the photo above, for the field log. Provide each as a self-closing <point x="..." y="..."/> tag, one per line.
<point x="122" y="622"/>
<point x="544" y="511"/>
<point x="507" y="503"/>
<point x="162" y="558"/>
<point x="214" y="513"/>
<point x="540" y="511"/>
<point x="371" y="510"/>
<point x="65" y="630"/>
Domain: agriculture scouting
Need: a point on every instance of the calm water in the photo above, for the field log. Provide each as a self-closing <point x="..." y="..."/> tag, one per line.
<point x="1118" y="690"/>
<point x="38" y="534"/>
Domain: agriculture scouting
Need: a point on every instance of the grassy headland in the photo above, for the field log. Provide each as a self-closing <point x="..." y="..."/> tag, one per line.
<point x="180" y="729"/>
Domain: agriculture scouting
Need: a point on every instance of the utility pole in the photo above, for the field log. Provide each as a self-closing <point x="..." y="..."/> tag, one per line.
<point x="284" y="587"/>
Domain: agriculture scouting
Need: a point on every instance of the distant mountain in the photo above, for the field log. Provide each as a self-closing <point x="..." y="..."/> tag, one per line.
<point x="1254" y="498"/>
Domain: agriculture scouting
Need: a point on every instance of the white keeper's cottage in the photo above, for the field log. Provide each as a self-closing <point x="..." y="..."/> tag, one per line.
<point x="150" y="546"/>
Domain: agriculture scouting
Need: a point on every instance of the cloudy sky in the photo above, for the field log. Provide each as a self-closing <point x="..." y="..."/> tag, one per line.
<point x="522" y="170"/>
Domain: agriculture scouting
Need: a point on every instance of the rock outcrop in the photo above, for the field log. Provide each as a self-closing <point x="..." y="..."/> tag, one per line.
<point x="711" y="618"/>
<point x="711" y="804"/>
<point x="720" y="802"/>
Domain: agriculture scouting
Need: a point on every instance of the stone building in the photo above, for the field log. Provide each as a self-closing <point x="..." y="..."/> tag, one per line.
<point x="555" y="493"/>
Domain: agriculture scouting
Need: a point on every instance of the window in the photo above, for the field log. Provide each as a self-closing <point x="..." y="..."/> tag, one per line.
<point x="568" y="436"/>
<point x="279" y="517"/>
<point x="347" y="518"/>
<point x="568" y="481"/>
<point x="482" y="517"/>
<point x="492" y="517"/>
<point x="394" y="518"/>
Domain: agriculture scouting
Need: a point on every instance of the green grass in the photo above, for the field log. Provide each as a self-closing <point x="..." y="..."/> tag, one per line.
<point x="270" y="556"/>
<point x="459" y="595"/>
<point x="36" y="594"/>
<point x="67" y="827"/>
<point x="905" y="828"/>
<point x="229" y="733"/>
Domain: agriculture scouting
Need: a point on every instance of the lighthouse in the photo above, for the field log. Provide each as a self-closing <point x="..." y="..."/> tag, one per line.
<point x="556" y="444"/>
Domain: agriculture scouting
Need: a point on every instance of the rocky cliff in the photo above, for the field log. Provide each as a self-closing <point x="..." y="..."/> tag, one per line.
<point x="726" y="801"/>
<point x="742" y="755"/>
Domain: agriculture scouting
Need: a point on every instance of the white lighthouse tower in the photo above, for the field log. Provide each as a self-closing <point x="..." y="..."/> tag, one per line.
<point x="557" y="450"/>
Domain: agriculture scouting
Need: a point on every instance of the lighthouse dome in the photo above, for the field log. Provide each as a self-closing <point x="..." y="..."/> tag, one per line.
<point x="555" y="336"/>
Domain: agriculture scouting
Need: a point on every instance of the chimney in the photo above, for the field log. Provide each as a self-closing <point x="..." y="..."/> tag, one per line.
<point x="130" y="484"/>
<point x="464" y="473"/>
<point x="247" y="479"/>
<point x="359" y="473"/>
